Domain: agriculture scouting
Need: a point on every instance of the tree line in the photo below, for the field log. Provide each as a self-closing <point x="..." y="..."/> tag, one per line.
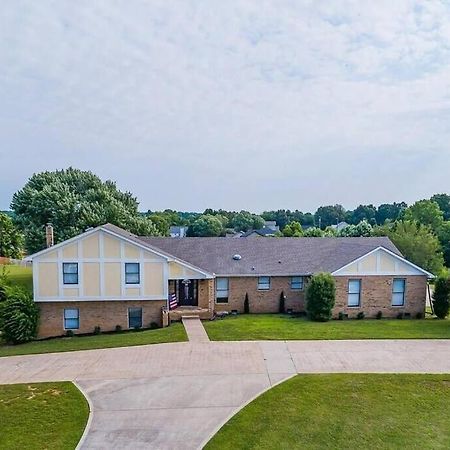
<point x="74" y="200"/>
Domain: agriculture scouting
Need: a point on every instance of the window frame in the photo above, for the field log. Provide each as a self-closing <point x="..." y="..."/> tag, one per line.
<point x="71" y="318"/>
<point x="302" y="283"/>
<point x="133" y="283"/>
<point x="128" y="316"/>
<point x="354" y="293"/>
<point x="222" y="299"/>
<point x="64" y="273"/>
<point x="398" y="292"/>
<point x="269" y="284"/>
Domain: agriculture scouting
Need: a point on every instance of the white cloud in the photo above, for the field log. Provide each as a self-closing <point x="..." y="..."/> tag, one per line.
<point x="230" y="104"/>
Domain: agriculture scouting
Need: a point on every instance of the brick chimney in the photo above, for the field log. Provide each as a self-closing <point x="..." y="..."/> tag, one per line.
<point x="49" y="235"/>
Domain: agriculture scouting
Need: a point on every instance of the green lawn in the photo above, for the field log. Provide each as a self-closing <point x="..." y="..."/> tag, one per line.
<point x="41" y="416"/>
<point x="18" y="275"/>
<point x="174" y="333"/>
<point x="285" y="327"/>
<point x="357" y="411"/>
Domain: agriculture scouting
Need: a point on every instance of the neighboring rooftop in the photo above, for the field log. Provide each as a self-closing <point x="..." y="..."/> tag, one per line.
<point x="271" y="256"/>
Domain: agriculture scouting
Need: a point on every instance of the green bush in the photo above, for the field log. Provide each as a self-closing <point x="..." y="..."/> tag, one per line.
<point x="154" y="326"/>
<point x="320" y="297"/>
<point x="441" y="297"/>
<point x="341" y="315"/>
<point x="246" y="304"/>
<point x="69" y="333"/>
<point x="419" y="315"/>
<point x="360" y="315"/>
<point x="97" y="330"/>
<point x="282" y="308"/>
<point x="379" y="315"/>
<point x="400" y="316"/>
<point x="19" y="316"/>
<point x="118" y="328"/>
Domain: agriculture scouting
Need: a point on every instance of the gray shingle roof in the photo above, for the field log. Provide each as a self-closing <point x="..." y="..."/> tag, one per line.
<point x="269" y="256"/>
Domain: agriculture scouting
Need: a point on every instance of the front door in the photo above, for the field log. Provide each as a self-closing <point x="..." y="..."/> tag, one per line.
<point x="187" y="292"/>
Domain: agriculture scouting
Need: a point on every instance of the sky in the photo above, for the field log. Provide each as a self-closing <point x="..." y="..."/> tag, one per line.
<point x="241" y="104"/>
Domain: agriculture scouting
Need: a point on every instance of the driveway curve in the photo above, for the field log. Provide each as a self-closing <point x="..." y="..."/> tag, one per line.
<point x="178" y="395"/>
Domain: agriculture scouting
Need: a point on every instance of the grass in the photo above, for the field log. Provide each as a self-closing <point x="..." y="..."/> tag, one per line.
<point x="285" y="327"/>
<point x="354" y="411"/>
<point x="174" y="333"/>
<point x="41" y="416"/>
<point x="19" y="275"/>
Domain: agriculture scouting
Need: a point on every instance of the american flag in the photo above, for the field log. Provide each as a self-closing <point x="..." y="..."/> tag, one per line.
<point x="173" y="302"/>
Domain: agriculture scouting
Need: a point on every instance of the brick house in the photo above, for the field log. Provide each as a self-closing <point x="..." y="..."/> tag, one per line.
<point x="108" y="277"/>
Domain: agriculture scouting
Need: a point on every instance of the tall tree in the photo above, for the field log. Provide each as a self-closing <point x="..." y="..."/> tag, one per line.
<point x="293" y="229"/>
<point x="389" y="211"/>
<point x="73" y="200"/>
<point x="329" y="215"/>
<point x="11" y="239"/>
<point x="443" y="200"/>
<point x="362" y="212"/>
<point x="244" y="221"/>
<point x="426" y="212"/>
<point x="206" y="225"/>
<point x="417" y="243"/>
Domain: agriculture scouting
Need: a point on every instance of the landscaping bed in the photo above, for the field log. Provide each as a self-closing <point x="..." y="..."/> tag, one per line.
<point x="344" y="411"/>
<point x="41" y="416"/>
<point x="286" y="327"/>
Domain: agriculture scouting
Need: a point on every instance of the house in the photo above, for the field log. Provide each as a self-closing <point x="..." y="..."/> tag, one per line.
<point x="177" y="231"/>
<point x="264" y="232"/>
<point x="271" y="224"/>
<point x="108" y="277"/>
<point x="340" y="226"/>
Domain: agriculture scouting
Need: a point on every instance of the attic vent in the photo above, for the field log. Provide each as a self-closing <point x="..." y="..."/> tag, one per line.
<point x="237" y="257"/>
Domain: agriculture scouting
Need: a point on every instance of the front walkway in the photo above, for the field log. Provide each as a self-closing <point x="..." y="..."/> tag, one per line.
<point x="177" y="395"/>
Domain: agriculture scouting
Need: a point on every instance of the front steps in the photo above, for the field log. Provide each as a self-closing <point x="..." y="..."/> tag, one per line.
<point x="189" y="312"/>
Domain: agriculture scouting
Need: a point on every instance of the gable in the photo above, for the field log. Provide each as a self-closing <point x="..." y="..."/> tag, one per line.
<point x="381" y="262"/>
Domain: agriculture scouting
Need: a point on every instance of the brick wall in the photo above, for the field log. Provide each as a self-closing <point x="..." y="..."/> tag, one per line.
<point x="105" y="314"/>
<point x="376" y="295"/>
<point x="261" y="301"/>
<point x="206" y="293"/>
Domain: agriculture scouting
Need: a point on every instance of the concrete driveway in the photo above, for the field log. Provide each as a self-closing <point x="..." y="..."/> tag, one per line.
<point x="175" y="396"/>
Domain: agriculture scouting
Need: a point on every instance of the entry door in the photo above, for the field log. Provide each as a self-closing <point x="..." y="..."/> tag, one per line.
<point x="187" y="292"/>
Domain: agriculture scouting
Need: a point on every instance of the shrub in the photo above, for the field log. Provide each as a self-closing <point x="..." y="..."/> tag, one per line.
<point x="419" y="315"/>
<point x="341" y="315"/>
<point x="400" y="316"/>
<point x="69" y="333"/>
<point x="441" y="296"/>
<point x="282" y="308"/>
<point x="320" y="297"/>
<point x="136" y="327"/>
<point x="118" y="328"/>
<point x="246" y="304"/>
<point x="19" y="316"/>
<point x="154" y="326"/>
<point x="97" y="330"/>
<point x="360" y="315"/>
<point x="379" y="315"/>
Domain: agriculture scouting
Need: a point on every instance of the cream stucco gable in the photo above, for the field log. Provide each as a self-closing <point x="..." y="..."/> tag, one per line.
<point x="381" y="261"/>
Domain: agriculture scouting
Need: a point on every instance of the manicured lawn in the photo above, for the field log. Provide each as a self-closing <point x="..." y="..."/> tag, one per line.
<point x="174" y="333"/>
<point x="355" y="411"/>
<point x="41" y="416"/>
<point x="18" y="275"/>
<point x="285" y="327"/>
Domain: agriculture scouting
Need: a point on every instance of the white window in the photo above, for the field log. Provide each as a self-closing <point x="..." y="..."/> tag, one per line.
<point x="263" y="283"/>
<point x="132" y="273"/>
<point x="70" y="273"/>
<point x="71" y="319"/>
<point x="398" y="292"/>
<point x="354" y="293"/>
<point x="297" y="283"/>
<point x="222" y="290"/>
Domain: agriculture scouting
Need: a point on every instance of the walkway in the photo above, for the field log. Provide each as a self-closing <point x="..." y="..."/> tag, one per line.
<point x="177" y="395"/>
<point x="194" y="329"/>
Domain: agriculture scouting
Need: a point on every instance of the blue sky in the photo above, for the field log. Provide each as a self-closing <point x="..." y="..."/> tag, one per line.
<point x="237" y="105"/>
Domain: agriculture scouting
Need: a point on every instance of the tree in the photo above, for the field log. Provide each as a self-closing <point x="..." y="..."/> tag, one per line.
<point x="246" y="304"/>
<point x="426" y="212"/>
<point x="443" y="200"/>
<point x="362" y="212"/>
<point x="444" y="238"/>
<point x="320" y="297"/>
<point x="11" y="239"/>
<point x="329" y="215"/>
<point x="293" y="229"/>
<point x="19" y="316"/>
<point x="206" y="225"/>
<point x="282" y="304"/>
<point x="362" y="229"/>
<point x="441" y="297"/>
<point x="313" y="232"/>
<point x="417" y="243"/>
<point x="244" y="221"/>
<point x="73" y="200"/>
<point x="389" y="211"/>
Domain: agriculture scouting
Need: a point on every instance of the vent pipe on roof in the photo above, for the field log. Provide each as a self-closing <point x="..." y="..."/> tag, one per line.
<point x="49" y="235"/>
<point x="237" y="257"/>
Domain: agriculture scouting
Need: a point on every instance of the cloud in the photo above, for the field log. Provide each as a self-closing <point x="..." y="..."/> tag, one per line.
<point x="234" y="104"/>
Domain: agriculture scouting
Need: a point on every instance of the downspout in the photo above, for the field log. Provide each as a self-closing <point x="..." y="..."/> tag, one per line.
<point x="429" y="297"/>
